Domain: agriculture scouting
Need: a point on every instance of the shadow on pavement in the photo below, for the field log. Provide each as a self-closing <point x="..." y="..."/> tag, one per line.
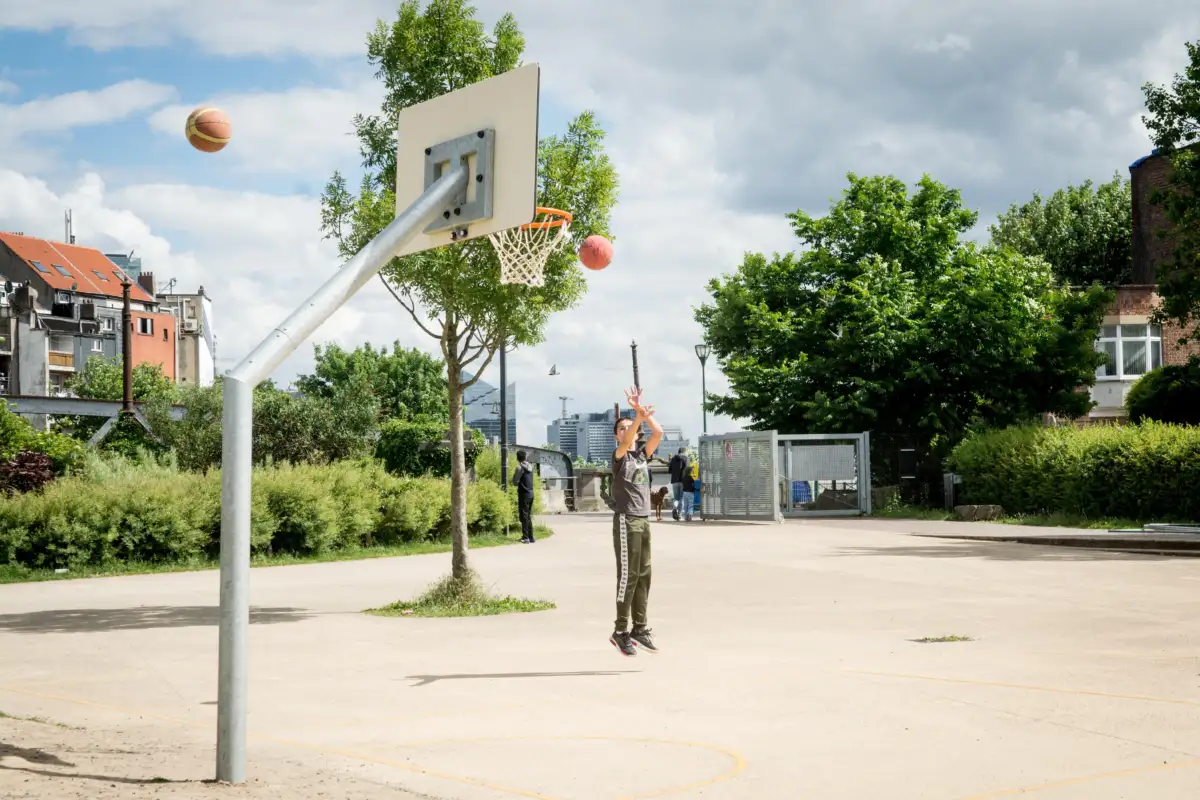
<point x="1000" y="551"/>
<point x="425" y="680"/>
<point x="84" y="620"/>
<point x="33" y="755"/>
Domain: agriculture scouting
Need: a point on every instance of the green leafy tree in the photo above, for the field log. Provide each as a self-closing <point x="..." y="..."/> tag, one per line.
<point x="887" y="321"/>
<point x="1173" y="118"/>
<point x="1084" y="232"/>
<point x="454" y="294"/>
<point x="407" y="383"/>
<point x="315" y="430"/>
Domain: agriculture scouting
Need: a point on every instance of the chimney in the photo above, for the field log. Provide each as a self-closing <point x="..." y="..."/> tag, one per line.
<point x="146" y="281"/>
<point x="1150" y="248"/>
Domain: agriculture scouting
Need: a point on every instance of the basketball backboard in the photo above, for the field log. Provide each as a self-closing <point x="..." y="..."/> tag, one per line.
<point x="493" y="124"/>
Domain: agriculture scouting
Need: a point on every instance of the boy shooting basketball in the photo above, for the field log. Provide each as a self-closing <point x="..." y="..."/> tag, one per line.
<point x="631" y="525"/>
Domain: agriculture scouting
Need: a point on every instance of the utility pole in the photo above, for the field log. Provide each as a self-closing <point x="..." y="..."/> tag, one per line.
<point x="636" y="383"/>
<point x="126" y="348"/>
<point x="503" y="414"/>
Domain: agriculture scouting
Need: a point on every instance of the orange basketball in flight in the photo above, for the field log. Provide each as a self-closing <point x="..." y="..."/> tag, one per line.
<point x="596" y="252"/>
<point x="208" y="129"/>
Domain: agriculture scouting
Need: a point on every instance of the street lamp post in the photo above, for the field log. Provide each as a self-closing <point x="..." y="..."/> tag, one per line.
<point x="702" y="354"/>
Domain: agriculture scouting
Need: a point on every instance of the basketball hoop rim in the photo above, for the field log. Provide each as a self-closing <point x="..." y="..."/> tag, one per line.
<point x="558" y="218"/>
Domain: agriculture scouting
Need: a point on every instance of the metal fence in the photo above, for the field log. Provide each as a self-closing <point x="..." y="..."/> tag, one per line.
<point x="737" y="477"/>
<point x="764" y="476"/>
<point x="825" y="474"/>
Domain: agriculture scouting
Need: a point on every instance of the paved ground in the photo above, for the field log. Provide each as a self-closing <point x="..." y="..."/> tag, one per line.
<point x="788" y="671"/>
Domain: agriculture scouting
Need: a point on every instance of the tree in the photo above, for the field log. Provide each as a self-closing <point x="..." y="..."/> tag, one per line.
<point x="1173" y="120"/>
<point x="407" y="383"/>
<point x="103" y="379"/>
<point x="1085" y="233"/>
<point x="454" y="294"/>
<point x="888" y="322"/>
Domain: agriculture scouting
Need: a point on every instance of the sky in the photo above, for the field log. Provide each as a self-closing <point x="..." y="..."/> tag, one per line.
<point x="720" y="121"/>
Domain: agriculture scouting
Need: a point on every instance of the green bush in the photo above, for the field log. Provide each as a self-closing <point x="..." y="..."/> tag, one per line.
<point x="413" y="447"/>
<point x="487" y="471"/>
<point x="1168" y="394"/>
<point x="1146" y="471"/>
<point x="18" y="436"/>
<point x="144" y="508"/>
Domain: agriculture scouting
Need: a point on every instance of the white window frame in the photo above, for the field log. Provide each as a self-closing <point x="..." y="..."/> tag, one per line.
<point x="97" y="346"/>
<point x="145" y="326"/>
<point x="1152" y="341"/>
<point x="108" y="323"/>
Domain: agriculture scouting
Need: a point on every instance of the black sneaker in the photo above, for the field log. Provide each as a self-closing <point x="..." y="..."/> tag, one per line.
<point x="622" y="642"/>
<point x="644" y="641"/>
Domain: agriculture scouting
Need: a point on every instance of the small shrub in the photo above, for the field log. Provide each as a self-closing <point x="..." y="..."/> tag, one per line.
<point x="25" y="472"/>
<point x="304" y="508"/>
<point x="1169" y="394"/>
<point x="415" y="509"/>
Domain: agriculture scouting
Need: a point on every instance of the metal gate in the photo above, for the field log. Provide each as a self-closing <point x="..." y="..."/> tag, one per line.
<point x="737" y="477"/>
<point x="824" y="474"/>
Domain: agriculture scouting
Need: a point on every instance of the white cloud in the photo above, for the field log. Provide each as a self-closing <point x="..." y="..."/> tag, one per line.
<point x="8" y="87"/>
<point x="954" y="44"/>
<point x="76" y="109"/>
<point x="226" y="27"/>
<point x="301" y="130"/>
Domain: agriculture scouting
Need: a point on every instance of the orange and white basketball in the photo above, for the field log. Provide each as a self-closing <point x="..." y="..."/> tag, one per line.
<point x="208" y="129"/>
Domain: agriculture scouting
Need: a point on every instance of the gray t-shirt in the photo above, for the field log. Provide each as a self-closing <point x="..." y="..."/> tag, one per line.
<point x="631" y="483"/>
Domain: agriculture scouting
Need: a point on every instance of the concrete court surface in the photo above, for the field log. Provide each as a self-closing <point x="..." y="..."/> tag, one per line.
<point x="788" y="670"/>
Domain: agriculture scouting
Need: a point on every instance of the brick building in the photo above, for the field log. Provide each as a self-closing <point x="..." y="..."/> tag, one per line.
<point x="78" y="306"/>
<point x="1133" y="345"/>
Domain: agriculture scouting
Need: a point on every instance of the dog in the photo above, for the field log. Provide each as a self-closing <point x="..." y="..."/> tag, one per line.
<point x="656" y="501"/>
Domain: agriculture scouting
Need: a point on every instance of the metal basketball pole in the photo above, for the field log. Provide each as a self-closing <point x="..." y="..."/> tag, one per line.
<point x="503" y="414"/>
<point x="236" y="454"/>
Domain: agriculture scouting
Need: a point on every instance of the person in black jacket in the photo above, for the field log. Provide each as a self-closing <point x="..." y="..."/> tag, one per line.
<point x="678" y="466"/>
<point x="523" y="480"/>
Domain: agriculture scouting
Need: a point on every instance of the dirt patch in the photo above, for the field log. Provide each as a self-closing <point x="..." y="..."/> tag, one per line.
<point x="42" y="760"/>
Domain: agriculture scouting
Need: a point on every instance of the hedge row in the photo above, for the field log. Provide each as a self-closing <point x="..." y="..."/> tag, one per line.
<point x="119" y="510"/>
<point x="1147" y="471"/>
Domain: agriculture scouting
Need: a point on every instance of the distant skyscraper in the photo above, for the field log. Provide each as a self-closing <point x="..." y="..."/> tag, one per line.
<point x="564" y="434"/>
<point x="480" y="409"/>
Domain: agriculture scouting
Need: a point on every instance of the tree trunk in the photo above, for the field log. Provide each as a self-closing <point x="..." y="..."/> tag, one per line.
<point x="460" y="567"/>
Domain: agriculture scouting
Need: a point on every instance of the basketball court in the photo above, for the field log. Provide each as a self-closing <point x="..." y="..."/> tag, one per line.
<point x="789" y="669"/>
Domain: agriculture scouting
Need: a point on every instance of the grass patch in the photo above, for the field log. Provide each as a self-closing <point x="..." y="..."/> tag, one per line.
<point x="38" y="720"/>
<point x="13" y="573"/>
<point x="942" y="639"/>
<point x="452" y="597"/>
<point x="911" y="512"/>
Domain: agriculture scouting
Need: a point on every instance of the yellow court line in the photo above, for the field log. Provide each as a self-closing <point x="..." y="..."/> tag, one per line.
<point x="1085" y="779"/>
<point x="1028" y="687"/>
<point x="739" y="763"/>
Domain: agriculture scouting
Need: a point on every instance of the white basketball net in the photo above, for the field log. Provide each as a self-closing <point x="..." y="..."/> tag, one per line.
<point x="523" y="251"/>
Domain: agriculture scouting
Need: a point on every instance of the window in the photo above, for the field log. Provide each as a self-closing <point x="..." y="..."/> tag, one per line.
<point x="62" y="270"/>
<point x="145" y="326"/>
<point x="97" y="346"/>
<point x="39" y="267"/>
<point x="120" y="275"/>
<point x="166" y="335"/>
<point x="108" y="324"/>
<point x="100" y="275"/>
<point x="1132" y="350"/>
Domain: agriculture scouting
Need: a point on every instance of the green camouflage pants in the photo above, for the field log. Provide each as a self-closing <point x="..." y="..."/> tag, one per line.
<point x="631" y="542"/>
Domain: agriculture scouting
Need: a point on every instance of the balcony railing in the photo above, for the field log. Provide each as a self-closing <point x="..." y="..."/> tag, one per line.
<point x="62" y="360"/>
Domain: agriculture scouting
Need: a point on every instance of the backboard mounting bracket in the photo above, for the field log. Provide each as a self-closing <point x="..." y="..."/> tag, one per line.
<point x="476" y="152"/>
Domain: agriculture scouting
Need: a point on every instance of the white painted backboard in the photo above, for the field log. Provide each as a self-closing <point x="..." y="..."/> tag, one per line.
<point x="508" y="104"/>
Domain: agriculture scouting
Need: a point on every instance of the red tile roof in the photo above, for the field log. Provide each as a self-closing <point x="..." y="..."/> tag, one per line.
<point x="87" y="269"/>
